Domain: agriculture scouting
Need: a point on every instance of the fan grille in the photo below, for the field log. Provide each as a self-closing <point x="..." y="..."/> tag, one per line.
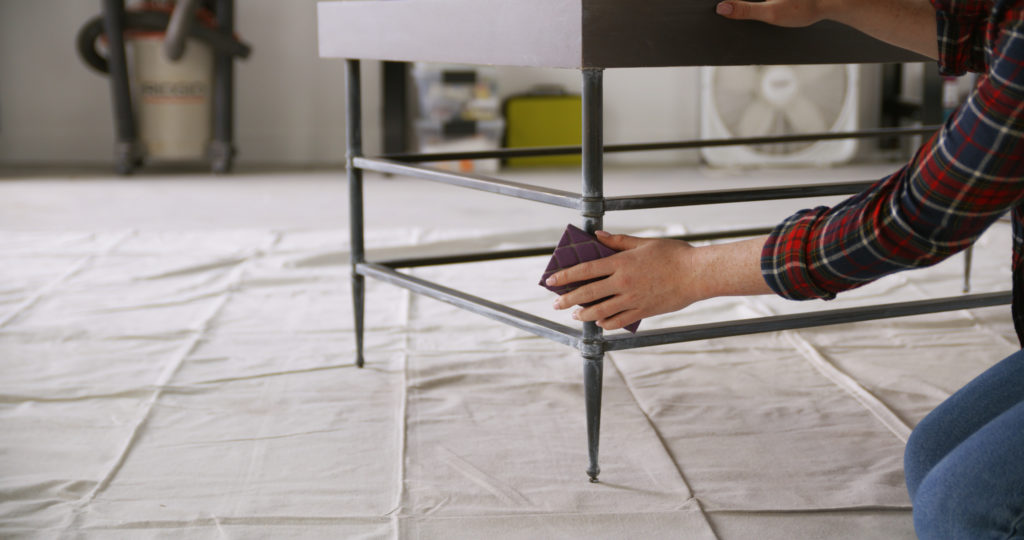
<point x="754" y="101"/>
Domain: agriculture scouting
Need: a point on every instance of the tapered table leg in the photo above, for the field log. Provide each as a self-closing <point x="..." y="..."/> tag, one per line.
<point x="593" y="217"/>
<point x="593" y="368"/>
<point x="967" y="268"/>
<point x="353" y="121"/>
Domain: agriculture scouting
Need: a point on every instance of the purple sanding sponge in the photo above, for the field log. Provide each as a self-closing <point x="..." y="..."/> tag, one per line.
<point x="575" y="247"/>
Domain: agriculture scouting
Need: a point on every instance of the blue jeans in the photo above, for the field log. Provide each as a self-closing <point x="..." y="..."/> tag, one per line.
<point x="964" y="462"/>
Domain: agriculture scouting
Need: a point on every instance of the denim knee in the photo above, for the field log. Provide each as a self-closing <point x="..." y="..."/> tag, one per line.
<point x="975" y="491"/>
<point x="946" y="509"/>
<point x="925" y="448"/>
<point x="937" y="511"/>
<point x="960" y="416"/>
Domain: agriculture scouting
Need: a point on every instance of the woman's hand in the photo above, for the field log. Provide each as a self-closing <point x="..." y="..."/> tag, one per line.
<point x="791" y="13"/>
<point x="904" y="23"/>
<point x="647" y="277"/>
<point x="654" y="276"/>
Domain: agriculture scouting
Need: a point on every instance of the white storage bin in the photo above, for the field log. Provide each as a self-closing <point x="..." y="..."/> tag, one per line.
<point x="434" y="136"/>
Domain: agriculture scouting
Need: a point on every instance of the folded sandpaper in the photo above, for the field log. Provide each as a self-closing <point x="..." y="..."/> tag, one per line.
<point x="575" y="247"/>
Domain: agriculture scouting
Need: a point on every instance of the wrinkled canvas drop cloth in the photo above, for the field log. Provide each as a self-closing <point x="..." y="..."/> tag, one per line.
<point x="200" y="385"/>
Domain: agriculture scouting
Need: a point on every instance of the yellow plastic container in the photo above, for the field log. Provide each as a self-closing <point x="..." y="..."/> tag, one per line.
<point x="543" y="120"/>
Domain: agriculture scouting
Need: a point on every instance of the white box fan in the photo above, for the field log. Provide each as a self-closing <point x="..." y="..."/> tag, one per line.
<point x="756" y="101"/>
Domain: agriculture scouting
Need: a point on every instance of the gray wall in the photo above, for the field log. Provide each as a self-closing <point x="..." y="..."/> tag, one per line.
<point x="289" y="103"/>
<point x="51" y="107"/>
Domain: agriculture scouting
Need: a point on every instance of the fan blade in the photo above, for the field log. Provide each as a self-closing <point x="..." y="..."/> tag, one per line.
<point x="815" y="74"/>
<point x="805" y="116"/>
<point x="738" y="78"/>
<point x="756" y="120"/>
<point x="826" y="86"/>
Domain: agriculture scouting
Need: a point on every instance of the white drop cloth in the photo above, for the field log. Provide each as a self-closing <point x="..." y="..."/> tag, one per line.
<point x="200" y="385"/>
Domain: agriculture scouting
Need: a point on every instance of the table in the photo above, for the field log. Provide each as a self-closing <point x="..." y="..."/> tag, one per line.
<point x="590" y="36"/>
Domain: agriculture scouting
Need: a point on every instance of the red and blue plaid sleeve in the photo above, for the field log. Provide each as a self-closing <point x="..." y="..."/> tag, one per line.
<point x="961" y="30"/>
<point x="960" y="181"/>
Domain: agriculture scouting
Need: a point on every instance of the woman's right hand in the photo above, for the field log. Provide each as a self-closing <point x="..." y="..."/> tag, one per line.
<point x="904" y="23"/>
<point x="791" y="13"/>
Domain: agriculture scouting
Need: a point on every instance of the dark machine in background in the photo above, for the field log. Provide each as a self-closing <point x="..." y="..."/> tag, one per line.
<point x="181" y="21"/>
<point x="395" y="88"/>
<point x="897" y="110"/>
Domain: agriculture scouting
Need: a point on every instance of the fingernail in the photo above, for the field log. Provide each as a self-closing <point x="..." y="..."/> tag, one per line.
<point x="601" y="234"/>
<point x="576" y="315"/>
<point x="551" y="280"/>
<point x="557" y="304"/>
<point x="723" y="9"/>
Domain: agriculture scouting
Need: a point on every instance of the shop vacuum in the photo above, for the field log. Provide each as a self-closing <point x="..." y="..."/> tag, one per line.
<point x="175" y="102"/>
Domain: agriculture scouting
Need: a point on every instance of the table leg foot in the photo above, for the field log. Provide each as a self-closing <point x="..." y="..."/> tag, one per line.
<point x="593" y="368"/>
<point x="358" y="305"/>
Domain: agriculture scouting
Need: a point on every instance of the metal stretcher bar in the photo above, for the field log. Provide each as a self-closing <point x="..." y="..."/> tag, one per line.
<point x="693" y="198"/>
<point x="574" y="201"/>
<point x="473" y="181"/>
<point x="803" y="320"/>
<point x="413" y="262"/>
<point x="679" y="334"/>
<point x="512" y="317"/>
<point x="671" y="145"/>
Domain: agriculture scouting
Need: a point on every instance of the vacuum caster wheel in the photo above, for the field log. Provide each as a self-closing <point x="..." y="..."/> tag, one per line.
<point x="221" y="166"/>
<point x="222" y="156"/>
<point x="124" y="167"/>
<point x="127" y="158"/>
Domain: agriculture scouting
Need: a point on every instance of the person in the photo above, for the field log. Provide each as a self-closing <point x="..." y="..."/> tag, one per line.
<point x="964" y="462"/>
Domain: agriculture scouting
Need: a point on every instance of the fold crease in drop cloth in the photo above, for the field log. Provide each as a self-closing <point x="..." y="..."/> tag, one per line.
<point x="201" y="385"/>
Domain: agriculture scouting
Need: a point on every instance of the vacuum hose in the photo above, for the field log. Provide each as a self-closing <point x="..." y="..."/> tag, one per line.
<point x="153" y="21"/>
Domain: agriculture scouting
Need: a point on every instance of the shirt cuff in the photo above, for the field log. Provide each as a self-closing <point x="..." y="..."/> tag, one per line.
<point x="785" y="261"/>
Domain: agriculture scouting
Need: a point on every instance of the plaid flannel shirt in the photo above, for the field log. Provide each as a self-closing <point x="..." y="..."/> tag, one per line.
<point x="959" y="182"/>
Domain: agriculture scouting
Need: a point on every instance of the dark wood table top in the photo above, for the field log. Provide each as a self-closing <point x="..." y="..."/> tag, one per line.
<point x="581" y="34"/>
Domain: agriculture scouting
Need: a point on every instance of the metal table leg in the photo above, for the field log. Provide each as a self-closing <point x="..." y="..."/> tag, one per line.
<point x="354" y="125"/>
<point x="593" y="216"/>
<point x="968" y="254"/>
